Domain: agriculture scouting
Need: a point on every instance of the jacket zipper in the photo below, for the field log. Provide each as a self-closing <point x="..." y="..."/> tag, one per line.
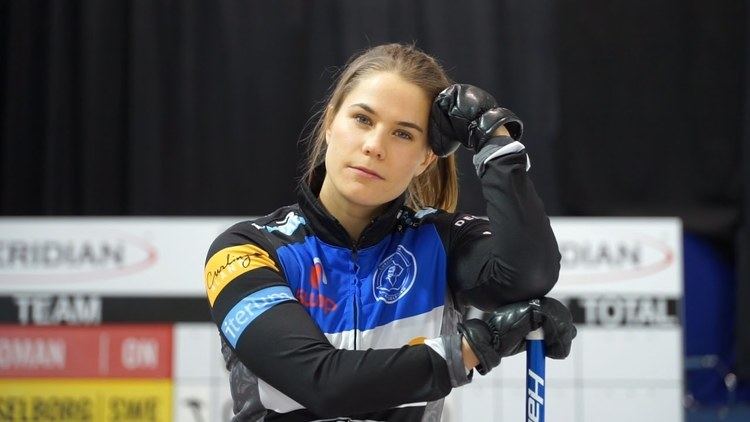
<point x="356" y="296"/>
<point x="355" y="248"/>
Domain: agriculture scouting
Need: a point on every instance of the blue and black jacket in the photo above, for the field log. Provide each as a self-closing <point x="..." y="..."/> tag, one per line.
<point x="316" y="326"/>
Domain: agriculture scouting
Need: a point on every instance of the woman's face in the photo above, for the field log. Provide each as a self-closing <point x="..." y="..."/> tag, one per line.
<point x="377" y="141"/>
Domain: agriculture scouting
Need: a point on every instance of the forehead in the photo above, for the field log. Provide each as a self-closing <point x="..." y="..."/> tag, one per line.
<point x="391" y="96"/>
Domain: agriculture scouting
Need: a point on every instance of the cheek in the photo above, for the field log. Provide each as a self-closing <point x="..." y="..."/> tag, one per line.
<point x="331" y="158"/>
<point x="411" y="161"/>
<point x="406" y="171"/>
<point x="339" y="139"/>
<point x="335" y="158"/>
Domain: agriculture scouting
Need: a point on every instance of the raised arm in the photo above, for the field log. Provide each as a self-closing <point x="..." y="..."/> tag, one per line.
<point x="513" y="256"/>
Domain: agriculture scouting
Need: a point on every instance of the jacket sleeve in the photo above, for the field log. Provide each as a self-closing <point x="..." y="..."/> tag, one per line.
<point x="274" y="337"/>
<point x="512" y="257"/>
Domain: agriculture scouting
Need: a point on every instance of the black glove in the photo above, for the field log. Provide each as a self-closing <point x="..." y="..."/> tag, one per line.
<point x="557" y="323"/>
<point x="504" y="333"/>
<point x="483" y="343"/>
<point x="465" y="114"/>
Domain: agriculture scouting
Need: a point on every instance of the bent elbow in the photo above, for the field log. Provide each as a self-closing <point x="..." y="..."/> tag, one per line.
<point x="539" y="279"/>
<point x="533" y="280"/>
<point x="501" y="283"/>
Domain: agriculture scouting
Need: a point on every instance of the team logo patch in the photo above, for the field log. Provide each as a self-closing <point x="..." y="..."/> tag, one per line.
<point x="394" y="276"/>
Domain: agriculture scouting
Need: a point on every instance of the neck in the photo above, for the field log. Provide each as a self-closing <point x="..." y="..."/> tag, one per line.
<point x="353" y="217"/>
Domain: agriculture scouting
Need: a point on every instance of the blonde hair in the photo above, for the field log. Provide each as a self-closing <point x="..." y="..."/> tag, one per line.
<point x="437" y="186"/>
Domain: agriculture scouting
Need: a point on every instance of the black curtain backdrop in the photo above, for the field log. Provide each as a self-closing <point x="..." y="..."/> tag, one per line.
<point x="191" y="107"/>
<point x="196" y="107"/>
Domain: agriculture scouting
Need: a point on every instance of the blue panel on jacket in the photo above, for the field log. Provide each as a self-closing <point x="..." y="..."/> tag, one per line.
<point x="401" y="276"/>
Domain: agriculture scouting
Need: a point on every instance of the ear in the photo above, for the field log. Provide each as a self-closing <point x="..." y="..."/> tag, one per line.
<point x="329" y="116"/>
<point x="430" y="158"/>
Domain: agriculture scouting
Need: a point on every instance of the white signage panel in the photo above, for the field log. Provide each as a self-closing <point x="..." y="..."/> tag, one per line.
<point x="113" y="256"/>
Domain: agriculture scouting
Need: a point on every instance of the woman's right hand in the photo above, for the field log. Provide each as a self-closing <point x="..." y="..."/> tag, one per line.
<point x="504" y="333"/>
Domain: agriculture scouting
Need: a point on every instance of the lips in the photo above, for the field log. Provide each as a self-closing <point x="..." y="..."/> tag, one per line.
<point x="365" y="170"/>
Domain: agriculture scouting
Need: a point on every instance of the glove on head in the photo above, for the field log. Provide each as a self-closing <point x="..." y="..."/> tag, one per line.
<point x="465" y="114"/>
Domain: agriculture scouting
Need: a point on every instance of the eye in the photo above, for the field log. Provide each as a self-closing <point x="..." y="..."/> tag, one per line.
<point x="404" y="134"/>
<point x="362" y="119"/>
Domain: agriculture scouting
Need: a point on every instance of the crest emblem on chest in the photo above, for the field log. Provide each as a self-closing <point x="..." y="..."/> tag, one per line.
<point x="394" y="276"/>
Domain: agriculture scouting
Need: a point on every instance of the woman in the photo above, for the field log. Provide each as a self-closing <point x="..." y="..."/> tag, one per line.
<point x="345" y="305"/>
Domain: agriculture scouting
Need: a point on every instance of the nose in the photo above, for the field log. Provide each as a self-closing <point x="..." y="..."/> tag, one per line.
<point x="374" y="145"/>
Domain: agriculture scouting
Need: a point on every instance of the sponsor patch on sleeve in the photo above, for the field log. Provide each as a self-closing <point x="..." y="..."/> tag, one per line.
<point x="229" y="263"/>
<point x="251" y="307"/>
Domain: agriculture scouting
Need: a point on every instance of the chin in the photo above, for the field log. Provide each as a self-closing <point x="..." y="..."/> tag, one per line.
<point x="368" y="197"/>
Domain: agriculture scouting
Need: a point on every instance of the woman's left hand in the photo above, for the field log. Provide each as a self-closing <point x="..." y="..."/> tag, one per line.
<point x="468" y="115"/>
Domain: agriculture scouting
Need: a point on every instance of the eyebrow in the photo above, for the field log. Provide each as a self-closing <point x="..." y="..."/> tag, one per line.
<point x="371" y="111"/>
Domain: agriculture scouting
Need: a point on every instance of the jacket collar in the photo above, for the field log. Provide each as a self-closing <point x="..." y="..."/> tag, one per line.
<point x="328" y="228"/>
